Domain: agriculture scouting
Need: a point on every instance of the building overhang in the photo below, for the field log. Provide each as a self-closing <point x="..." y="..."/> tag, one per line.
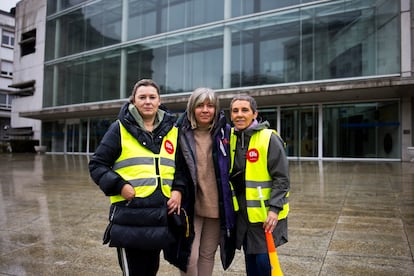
<point x="266" y="96"/>
<point x="100" y="109"/>
<point x="331" y="92"/>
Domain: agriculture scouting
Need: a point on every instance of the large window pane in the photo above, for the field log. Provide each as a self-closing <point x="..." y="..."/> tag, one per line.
<point x="148" y="18"/>
<point x="89" y="79"/>
<point x="139" y="65"/>
<point x="339" y="39"/>
<point x="50" y="40"/>
<point x="366" y="130"/>
<point x="345" y="39"/>
<point x="143" y="19"/>
<point x="53" y="136"/>
<point x="98" y="128"/>
<point x="103" y="24"/>
<point x="179" y="63"/>
<point x="195" y="63"/>
<point x="265" y="50"/>
<point x="48" y="86"/>
<point x="183" y="14"/>
<point x="86" y="28"/>
<point x="244" y="7"/>
<point x="73" y="135"/>
<point x="72" y="34"/>
<point x="58" y="5"/>
<point x="387" y="38"/>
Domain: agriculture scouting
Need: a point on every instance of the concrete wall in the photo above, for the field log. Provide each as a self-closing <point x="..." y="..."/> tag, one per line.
<point x="407" y="66"/>
<point x="30" y="14"/>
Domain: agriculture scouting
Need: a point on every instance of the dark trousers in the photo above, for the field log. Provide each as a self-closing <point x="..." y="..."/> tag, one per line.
<point x="136" y="262"/>
<point x="257" y="265"/>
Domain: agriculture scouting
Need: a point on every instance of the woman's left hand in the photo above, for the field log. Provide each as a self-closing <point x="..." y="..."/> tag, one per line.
<point x="271" y="221"/>
<point x="174" y="203"/>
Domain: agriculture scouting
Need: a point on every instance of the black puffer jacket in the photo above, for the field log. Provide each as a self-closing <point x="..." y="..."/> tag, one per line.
<point x="150" y="230"/>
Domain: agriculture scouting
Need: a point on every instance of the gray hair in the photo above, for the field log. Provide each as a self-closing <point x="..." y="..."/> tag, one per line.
<point x="198" y="96"/>
<point x="248" y="98"/>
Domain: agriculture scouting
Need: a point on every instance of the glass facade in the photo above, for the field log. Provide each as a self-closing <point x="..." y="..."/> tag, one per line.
<point x="96" y="50"/>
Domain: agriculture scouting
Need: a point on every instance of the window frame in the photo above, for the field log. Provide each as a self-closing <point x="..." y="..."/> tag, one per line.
<point x="10" y="37"/>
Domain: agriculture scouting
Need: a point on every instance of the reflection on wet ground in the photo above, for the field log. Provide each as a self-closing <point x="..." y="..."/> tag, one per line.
<point x="347" y="218"/>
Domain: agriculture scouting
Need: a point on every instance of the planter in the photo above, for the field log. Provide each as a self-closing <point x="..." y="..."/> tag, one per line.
<point x="19" y="146"/>
<point x="40" y="149"/>
<point x="410" y="151"/>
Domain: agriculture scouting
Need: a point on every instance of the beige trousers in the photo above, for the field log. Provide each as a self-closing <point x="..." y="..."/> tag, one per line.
<point x="203" y="251"/>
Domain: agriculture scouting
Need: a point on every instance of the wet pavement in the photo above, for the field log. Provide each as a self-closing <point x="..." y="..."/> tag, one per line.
<point x="347" y="218"/>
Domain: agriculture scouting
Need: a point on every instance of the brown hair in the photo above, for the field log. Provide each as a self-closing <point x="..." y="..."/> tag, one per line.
<point x="143" y="82"/>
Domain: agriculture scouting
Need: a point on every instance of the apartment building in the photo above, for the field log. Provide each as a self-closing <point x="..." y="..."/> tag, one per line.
<point x="7" y="23"/>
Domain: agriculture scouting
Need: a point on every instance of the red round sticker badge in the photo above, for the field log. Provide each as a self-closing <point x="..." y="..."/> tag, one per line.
<point x="252" y="155"/>
<point x="169" y="147"/>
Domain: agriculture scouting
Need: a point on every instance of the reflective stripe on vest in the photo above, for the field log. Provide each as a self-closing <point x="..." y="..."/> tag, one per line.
<point x="234" y="198"/>
<point x="137" y="164"/>
<point x="258" y="175"/>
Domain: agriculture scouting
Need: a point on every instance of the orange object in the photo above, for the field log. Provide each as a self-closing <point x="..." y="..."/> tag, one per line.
<point x="274" y="260"/>
<point x="271" y="249"/>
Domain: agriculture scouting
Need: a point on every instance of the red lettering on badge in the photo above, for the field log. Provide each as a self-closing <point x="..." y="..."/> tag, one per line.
<point x="252" y="155"/>
<point x="169" y="147"/>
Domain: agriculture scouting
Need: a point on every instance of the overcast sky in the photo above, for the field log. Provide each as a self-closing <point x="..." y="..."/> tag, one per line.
<point x="6" y="5"/>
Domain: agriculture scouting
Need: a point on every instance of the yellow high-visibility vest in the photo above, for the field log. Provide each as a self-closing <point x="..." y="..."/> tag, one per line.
<point x="257" y="174"/>
<point x="138" y="165"/>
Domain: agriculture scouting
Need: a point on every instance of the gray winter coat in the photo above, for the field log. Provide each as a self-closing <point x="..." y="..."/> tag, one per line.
<point x="252" y="234"/>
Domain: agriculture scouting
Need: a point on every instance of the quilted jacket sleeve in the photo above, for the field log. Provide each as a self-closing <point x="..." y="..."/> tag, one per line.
<point x="102" y="161"/>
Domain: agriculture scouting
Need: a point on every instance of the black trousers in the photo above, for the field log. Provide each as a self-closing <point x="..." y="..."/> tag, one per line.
<point x="136" y="262"/>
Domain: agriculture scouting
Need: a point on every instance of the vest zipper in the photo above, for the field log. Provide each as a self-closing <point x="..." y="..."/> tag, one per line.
<point x="157" y="172"/>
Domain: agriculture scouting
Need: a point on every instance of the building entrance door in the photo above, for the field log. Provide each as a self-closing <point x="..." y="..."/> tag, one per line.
<point x="300" y="130"/>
